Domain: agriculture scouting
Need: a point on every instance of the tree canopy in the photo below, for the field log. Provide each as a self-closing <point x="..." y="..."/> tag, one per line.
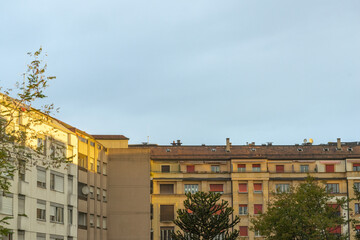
<point x="205" y="217"/>
<point x="307" y="211"/>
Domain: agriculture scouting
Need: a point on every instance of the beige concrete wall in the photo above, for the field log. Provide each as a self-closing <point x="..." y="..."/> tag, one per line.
<point x="128" y="194"/>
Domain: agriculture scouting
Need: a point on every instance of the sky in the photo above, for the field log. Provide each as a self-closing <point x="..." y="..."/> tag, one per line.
<point x="255" y="71"/>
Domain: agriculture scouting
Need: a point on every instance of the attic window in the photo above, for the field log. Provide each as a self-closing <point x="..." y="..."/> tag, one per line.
<point x="350" y="149"/>
<point x="300" y="150"/>
<point x="252" y="149"/>
<point x="213" y="150"/>
<point x="168" y="150"/>
<point x="326" y="149"/>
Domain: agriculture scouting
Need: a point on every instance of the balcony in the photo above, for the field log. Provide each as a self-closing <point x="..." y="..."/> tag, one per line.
<point x="23" y="187"/>
<point x="23" y="223"/>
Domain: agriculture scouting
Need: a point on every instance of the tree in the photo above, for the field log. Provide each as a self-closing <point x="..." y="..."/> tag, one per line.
<point x="303" y="213"/>
<point x="21" y="124"/>
<point x="205" y="218"/>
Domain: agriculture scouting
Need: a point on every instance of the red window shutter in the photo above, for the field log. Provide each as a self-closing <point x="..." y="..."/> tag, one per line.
<point x="242" y="187"/>
<point x="242" y="205"/>
<point x="256" y="165"/>
<point x="257" y="208"/>
<point x="257" y="187"/>
<point x="190" y="168"/>
<point x="216" y="188"/>
<point x="330" y="168"/>
<point x="335" y="229"/>
<point x="357" y="227"/>
<point x="243" y="231"/>
<point x="241" y="166"/>
<point x="279" y="168"/>
<point x="356" y="164"/>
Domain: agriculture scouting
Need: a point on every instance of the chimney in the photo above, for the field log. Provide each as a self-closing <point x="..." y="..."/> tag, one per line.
<point x="178" y="142"/>
<point x="173" y="143"/>
<point x="228" y="145"/>
<point x="338" y="145"/>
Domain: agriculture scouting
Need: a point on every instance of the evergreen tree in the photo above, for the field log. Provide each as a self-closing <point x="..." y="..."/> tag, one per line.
<point x="205" y="218"/>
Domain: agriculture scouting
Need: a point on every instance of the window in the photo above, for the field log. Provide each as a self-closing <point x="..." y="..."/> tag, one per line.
<point x="215" y="168"/>
<point x="357" y="186"/>
<point x="6" y="203"/>
<point x="83" y="161"/>
<point x="279" y="168"/>
<point x="98" y="194"/>
<point x="57" y="182"/>
<point x="9" y="236"/>
<point x="190" y="168"/>
<point x="41" y="210"/>
<point x="41" y="145"/>
<point x="104" y="168"/>
<point x="56" y="237"/>
<point x="357" y="228"/>
<point x="21" y="235"/>
<point x="104" y="222"/>
<point x="356" y="167"/>
<point x="166" y="213"/>
<point x="257" y="187"/>
<point x="82" y="191"/>
<point x="242" y="187"/>
<point x="218" y="188"/>
<point x="192" y="188"/>
<point x="241" y="167"/>
<point x="70" y="184"/>
<point x="104" y="195"/>
<point x="332" y="187"/>
<point x="304" y="168"/>
<point x="22" y="170"/>
<point x="257" y="208"/>
<point x="92" y="164"/>
<point x="40" y="236"/>
<point x="166" y="188"/>
<point x="98" y="164"/>
<point x="92" y="144"/>
<point x="256" y="168"/>
<point x="56" y="213"/>
<point x="336" y="207"/>
<point x="257" y="233"/>
<point x="21" y="205"/>
<point x="82" y="220"/>
<point x="357" y="209"/>
<point x="98" y="221"/>
<point x="70" y="215"/>
<point x="282" y="188"/>
<point x="41" y="177"/>
<point x="165" y="168"/>
<point x="335" y="230"/>
<point x="91" y="192"/>
<point x="83" y="139"/>
<point x="243" y="231"/>
<point x="165" y="233"/>
<point x="243" y="209"/>
<point x="92" y="220"/>
<point x="329" y="168"/>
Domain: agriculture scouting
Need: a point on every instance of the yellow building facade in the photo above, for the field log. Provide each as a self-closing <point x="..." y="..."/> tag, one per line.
<point x="247" y="176"/>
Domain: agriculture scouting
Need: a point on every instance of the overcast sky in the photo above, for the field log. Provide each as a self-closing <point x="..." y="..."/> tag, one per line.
<point x="199" y="71"/>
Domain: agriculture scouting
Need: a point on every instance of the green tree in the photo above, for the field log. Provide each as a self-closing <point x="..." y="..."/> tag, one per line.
<point x="19" y="121"/>
<point x="303" y="213"/>
<point x="205" y="218"/>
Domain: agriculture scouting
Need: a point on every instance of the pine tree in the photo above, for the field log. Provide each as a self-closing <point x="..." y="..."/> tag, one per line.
<point x="205" y="218"/>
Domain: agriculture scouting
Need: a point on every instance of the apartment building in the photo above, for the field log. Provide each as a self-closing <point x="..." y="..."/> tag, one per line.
<point x="42" y="202"/>
<point x="247" y="176"/>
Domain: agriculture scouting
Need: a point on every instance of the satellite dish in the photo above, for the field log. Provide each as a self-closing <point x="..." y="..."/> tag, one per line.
<point x="85" y="190"/>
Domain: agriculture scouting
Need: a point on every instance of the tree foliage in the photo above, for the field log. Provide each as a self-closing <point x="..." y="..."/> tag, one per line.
<point x="205" y="217"/>
<point x="21" y="125"/>
<point x="303" y="213"/>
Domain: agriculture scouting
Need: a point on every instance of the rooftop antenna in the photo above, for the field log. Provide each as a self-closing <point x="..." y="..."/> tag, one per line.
<point x="148" y="139"/>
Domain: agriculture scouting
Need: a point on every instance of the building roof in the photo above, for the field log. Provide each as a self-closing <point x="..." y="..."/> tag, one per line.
<point x="272" y="152"/>
<point x="109" y="137"/>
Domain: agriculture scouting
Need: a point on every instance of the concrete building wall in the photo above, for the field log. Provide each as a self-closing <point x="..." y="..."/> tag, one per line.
<point x="129" y="194"/>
